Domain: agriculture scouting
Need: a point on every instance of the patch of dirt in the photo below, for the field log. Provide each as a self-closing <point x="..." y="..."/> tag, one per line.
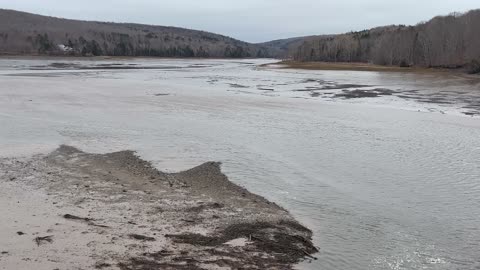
<point x="203" y="207"/>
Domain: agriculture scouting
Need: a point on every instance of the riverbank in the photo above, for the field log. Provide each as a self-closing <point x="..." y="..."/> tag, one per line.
<point x="359" y="67"/>
<point x="72" y="209"/>
<point x="107" y="57"/>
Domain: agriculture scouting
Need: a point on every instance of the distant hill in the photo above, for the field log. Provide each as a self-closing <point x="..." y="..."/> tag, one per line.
<point x="25" y="33"/>
<point x="451" y="41"/>
<point x="284" y="48"/>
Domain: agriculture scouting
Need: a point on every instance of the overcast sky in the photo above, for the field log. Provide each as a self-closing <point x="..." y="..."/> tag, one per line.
<point x="250" y="20"/>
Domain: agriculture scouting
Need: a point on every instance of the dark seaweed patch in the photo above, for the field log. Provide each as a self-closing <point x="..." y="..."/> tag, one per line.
<point x="236" y="85"/>
<point x="343" y="86"/>
<point x="267" y="237"/>
<point x="146" y="264"/>
<point x="43" y="239"/>
<point x="358" y="93"/>
<point x="141" y="237"/>
<point x="471" y="113"/>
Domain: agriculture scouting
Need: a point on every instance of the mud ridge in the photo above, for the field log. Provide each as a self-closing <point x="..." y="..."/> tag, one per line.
<point x="196" y="219"/>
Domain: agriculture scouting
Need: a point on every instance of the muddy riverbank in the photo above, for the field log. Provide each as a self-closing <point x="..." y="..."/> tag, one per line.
<point x="355" y="66"/>
<point x="75" y="210"/>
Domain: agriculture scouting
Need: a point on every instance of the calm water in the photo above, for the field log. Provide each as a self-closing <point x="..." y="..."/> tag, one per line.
<point x="391" y="182"/>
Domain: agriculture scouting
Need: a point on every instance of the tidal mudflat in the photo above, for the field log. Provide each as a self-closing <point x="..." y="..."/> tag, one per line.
<point x="71" y="209"/>
<point x="382" y="167"/>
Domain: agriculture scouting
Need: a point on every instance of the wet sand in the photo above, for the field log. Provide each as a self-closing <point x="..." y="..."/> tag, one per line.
<point x="75" y="210"/>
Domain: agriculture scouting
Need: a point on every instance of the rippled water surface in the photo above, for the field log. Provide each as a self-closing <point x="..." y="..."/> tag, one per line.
<point x="383" y="167"/>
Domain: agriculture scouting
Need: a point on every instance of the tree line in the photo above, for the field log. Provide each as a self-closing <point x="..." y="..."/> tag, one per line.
<point x="451" y="41"/>
<point x="123" y="45"/>
<point x="25" y="33"/>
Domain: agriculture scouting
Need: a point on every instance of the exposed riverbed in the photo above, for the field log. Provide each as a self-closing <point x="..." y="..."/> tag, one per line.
<point x="383" y="167"/>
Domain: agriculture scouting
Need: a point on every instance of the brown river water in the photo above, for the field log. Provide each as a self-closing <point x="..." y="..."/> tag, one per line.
<point x="383" y="167"/>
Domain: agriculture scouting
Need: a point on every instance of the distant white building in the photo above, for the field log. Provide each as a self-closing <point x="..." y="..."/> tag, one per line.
<point x="65" y="48"/>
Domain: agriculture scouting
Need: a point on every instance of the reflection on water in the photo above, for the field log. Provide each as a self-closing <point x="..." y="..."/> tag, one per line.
<point x="384" y="181"/>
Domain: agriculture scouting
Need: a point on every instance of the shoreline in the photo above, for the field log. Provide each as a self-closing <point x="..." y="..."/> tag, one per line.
<point x="345" y="66"/>
<point x="115" y="211"/>
<point x="106" y="57"/>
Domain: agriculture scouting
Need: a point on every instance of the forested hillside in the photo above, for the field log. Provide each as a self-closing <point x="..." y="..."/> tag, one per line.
<point x="446" y="41"/>
<point x="25" y="33"/>
<point x="282" y="48"/>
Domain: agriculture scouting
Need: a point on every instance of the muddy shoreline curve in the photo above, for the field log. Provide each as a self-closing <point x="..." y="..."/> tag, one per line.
<point x="355" y="66"/>
<point x="116" y="211"/>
